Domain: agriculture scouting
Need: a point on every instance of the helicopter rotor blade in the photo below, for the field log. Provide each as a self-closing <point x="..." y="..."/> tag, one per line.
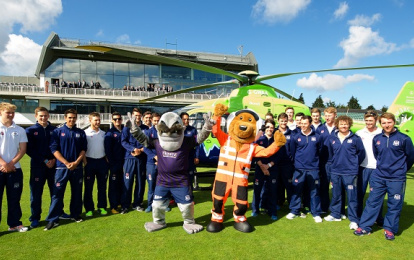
<point x="229" y="82"/>
<point x="281" y="92"/>
<point x="102" y="49"/>
<point x="280" y="75"/>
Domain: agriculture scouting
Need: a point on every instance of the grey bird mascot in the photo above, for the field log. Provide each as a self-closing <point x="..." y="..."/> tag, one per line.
<point x="172" y="152"/>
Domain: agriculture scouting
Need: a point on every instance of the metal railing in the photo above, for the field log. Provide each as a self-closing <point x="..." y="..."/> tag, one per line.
<point x="107" y="93"/>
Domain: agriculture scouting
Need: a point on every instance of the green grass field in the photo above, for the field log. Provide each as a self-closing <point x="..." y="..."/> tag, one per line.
<point x="124" y="236"/>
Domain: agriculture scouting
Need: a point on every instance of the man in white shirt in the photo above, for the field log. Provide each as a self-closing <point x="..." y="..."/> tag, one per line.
<point x="96" y="165"/>
<point x="369" y="164"/>
<point x="13" y="143"/>
<point x="290" y="111"/>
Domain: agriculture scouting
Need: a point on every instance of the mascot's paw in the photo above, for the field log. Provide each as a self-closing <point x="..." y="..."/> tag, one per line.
<point x="220" y="110"/>
<point x="279" y="138"/>
<point x="244" y="227"/>
<point x="192" y="228"/>
<point x="151" y="226"/>
<point x="215" y="227"/>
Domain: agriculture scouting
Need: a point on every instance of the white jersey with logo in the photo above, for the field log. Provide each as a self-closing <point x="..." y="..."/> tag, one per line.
<point x="10" y="139"/>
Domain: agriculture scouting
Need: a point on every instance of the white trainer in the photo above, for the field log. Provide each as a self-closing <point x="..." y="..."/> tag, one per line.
<point x="317" y="219"/>
<point x="331" y="218"/>
<point x="353" y="226"/>
<point x="291" y="216"/>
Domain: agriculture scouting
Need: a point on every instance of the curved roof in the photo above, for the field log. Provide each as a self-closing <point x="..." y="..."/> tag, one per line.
<point x="55" y="48"/>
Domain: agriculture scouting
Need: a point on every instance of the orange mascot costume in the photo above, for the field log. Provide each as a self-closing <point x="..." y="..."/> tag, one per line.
<point x="236" y="154"/>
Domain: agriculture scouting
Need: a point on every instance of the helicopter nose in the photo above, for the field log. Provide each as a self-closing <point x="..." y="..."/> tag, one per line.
<point x="243" y="127"/>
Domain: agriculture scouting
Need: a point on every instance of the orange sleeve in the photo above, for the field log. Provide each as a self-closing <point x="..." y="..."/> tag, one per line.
<point x="218" y="133"/>
<point x="260" y="151"/>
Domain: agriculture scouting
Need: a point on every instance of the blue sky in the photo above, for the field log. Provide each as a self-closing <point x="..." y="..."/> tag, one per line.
<point x="284" y="36"/>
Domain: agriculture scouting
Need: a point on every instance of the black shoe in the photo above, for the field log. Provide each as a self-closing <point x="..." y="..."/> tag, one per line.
<point x="78" y="219"/>
<point x="51" y="225"/>
<point x="124" y="211"/>
<point x="379" y="224"/>
<point x="244" y="227"/>
<point x="215" y="227"/>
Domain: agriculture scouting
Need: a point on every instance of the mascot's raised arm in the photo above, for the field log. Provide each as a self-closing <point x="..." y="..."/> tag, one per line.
<point x="236" y="154"/>
<point x="173" y="150"/>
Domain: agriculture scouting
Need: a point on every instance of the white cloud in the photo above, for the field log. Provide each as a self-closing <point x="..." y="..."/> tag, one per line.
<point x="20" y="56"/>
<point x="124" y="38"/>
<point x="272" y="11"/>
<point x="27" y="16"/>
<point x="363" y="42"/>
<point x="341" y="11"/>
<point x="362" y="20"/>
<point x="100" y="33"/>
<point x="326" y="100"/>
<point x="330" y="81"/>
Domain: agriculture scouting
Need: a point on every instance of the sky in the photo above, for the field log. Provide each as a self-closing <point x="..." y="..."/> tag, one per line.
<point x="284" y="36"/>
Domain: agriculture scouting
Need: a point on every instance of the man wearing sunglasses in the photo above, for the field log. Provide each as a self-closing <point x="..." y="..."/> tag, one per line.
<point x="115" y="153"/>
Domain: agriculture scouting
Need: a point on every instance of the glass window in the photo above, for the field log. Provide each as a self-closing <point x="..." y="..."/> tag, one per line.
<point x="104" y="67"/>
<point x="71" y="77"/>
<point x="121" y="68"/>
<point x="53" y="74"/>
<point x="136" y="70"/>
<point x="206" y="76"/>
<point x="107" y="81"/>
<point x="88" y="78"/>
<point x="87" y="66"/>
<point x="152" y="73"/>
<point x="59" y="107"/>
<point x="70" y="65"/>
<point x="175" y="72"/>
<point x="23" y="106"/>
<point x="56" y="66"/>
<point x="120" y="81"/>
<point x="136" y="82"/>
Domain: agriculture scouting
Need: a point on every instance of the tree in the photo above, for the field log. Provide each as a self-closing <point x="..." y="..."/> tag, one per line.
<point x="353" y="103"/>
<point x="330" y="104"/>
<point x="301" y="99"/>
<point x="384" y="109"/>
<point x="370" y="107"/>
<point x="318" y="102"/>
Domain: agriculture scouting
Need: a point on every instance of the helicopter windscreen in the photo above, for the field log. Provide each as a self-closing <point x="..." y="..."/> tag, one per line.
<point x="197" y="121"/>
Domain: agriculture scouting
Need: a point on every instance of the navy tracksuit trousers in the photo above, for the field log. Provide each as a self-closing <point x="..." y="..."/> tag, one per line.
<point x="379" y="187"/>
<point x="95" y="168"/>
<point x="38" y="177"/>
<point x="14" y="187"/>
<point x="62" y="177"/>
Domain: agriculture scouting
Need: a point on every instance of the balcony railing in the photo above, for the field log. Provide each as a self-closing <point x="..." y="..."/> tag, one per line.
<point x="102" y="93"/>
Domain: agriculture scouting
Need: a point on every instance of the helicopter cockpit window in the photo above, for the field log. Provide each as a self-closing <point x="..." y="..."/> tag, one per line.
<point x="197" y="121"/>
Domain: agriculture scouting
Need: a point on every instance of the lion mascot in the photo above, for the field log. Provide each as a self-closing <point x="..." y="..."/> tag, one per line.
<point x="172" y="152"/>
<point x="236" y="154"/>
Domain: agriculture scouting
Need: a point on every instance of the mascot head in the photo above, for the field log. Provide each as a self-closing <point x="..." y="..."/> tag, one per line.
<point x="244" y="125"/>
<point x="170" y="131"/>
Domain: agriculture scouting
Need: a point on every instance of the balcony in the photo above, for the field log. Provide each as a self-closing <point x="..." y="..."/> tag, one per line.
<point x="93" y="95"/>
